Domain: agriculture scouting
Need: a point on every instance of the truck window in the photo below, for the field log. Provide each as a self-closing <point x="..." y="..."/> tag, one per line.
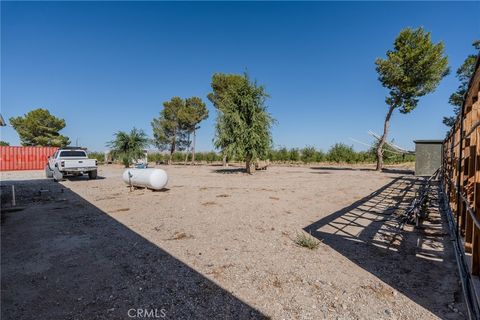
<point x="72" y="153"/>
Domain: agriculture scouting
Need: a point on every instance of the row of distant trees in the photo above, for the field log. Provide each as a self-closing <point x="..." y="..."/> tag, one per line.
<point x="338" y="153"/>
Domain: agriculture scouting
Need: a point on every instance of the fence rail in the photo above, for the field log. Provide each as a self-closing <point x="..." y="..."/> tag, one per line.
<point x="461" y="186"/>
<point x="461" y="172"/>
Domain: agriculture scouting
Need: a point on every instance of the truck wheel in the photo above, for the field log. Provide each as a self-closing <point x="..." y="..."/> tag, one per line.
<point x="57" y="175"/>
<point x="48" y="172"/>
<point x="92" y="174"/>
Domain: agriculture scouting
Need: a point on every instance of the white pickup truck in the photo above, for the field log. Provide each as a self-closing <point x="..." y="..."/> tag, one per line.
<point x="73" y="161"/>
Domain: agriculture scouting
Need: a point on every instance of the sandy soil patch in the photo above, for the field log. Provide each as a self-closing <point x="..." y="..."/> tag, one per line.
<point x="220" y="244"/>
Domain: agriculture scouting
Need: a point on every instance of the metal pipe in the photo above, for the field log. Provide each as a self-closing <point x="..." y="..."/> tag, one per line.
<point x="452" y="148"/>
<point x="460" y="154"/>
<point x="14" y="202"/>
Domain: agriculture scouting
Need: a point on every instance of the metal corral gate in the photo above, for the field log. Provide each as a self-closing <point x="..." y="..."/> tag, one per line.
<point x="24" y="158"/>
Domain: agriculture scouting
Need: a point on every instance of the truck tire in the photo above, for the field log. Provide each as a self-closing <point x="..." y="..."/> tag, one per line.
<point x="57" y="175"/>
<point x="92" y="174"/>
<point x="48" y="172"/>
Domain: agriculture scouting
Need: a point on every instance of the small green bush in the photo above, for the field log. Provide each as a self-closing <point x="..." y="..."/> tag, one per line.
<point x="294" y="155"/>
<point x="306" y="240"/>
<point x="340" y="152"/>
<point x="99" y="156"/>
<point x="308" y="154"/>
<point x="212" y="157"/>
<point x="320" y="156"/>
<point x="156" y="157"/>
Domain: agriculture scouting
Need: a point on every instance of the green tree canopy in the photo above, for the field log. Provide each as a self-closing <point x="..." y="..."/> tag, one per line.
<point x="464" y="73"/>
<point x="193" y="112"/>
<point x="178" y="119"/>
<point x="40" y="128"/>
<point x="411" y="70"/>
<point x="4" y="143"/>
<point x="129" y="146"/>
<point x="167" y="128"/>
<point x="243" y="122"/>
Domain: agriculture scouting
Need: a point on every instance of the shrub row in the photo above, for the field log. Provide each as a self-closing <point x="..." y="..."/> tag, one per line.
<point x="339" y="153"/>
<point x="179" y="156"/>
<point x="99" y="156"/>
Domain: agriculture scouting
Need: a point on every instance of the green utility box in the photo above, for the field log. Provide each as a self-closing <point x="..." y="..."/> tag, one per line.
<point x="428" y="156"/>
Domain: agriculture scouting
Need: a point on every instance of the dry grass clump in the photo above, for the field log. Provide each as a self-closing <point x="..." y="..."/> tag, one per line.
<point x="180" y="235"/>
<point x="306" y="240"/>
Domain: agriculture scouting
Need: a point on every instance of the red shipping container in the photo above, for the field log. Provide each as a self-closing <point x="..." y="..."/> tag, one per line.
<point x="24" y="158"/>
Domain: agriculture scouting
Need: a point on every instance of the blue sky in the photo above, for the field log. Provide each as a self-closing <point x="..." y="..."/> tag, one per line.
<point x="105" y="66"/>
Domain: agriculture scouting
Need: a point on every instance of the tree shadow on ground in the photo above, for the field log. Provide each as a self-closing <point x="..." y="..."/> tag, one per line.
<point x="64" y="258"/>
<point x="386" y="170"/>
<point x="419" y="263"/>
<point x="230" y="170"/>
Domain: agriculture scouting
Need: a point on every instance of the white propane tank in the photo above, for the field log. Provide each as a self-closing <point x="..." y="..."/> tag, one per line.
<point x="155" y="179"/>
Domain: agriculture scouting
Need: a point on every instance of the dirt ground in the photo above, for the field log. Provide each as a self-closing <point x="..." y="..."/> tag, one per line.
<point x="219" y="244"/>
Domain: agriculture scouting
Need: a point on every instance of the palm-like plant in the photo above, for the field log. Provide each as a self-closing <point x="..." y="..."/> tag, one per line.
<point x="129" y="146"/>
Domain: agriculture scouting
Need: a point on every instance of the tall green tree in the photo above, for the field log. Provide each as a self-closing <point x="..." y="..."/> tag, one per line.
<point x="168" y="130"/>
<point x="193" y="112"/>
<point x="129" y="146"/>
<point x="40" y="128"/>
<point x="464" y="73"/>
<point x="224" y="88"/>
<point x="411" y="70"/>
<point x="243" y="122"/>
<point x="178" y="121"/>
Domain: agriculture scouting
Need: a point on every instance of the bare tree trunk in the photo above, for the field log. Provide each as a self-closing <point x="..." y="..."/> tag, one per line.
<point x="250" y="165"/>
<point x="193" y="146"/>
<point x="382" y="140"/>
<point x="172" y="148"/>
<point x="186" y="150"/>
<point x="224" y="161"/>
